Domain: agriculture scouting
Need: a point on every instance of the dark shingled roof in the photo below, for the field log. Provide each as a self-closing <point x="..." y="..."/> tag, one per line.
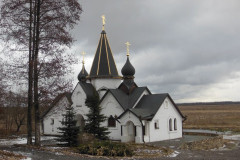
<point x="88" y="88"/>
<point x="149" y="105"/>
<point x="83" y="74"/>
<point x="57" y="99"/>
<point x="127" y="100"/>
<point x="103" y="64"/>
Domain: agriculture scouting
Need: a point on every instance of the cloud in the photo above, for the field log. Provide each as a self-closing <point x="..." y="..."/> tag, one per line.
<point x="187" y="48"/>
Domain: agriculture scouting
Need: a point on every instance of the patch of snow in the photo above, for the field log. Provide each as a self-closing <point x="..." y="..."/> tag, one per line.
<point x="206" y="131"/>
<point x="13" y="141"/>
<point x="55" y="147"/>
<point x="58" y="153"/>
<point x="28" y="158"/>
<point x="232" y="137"/>
<point x="23" y="153"/>
<point x="174" y="154"/>
<point x="148" y="151"/>
<point x="21" y="140"/>
<point x="223" y="148"/>
<point x="171" y="146"/>
<point x="43" y="138"/>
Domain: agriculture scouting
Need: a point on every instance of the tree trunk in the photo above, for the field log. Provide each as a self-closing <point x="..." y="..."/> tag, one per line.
<point x="36" y="95"/>
<point x="30" y="82"/>
<point x="18" y="128"/>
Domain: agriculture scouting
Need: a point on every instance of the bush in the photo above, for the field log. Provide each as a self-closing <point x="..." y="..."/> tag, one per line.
<point x="106" y="148"/>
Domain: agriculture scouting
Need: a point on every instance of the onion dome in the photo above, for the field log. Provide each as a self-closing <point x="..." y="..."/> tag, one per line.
<point x="128" y="70"/>
<point x="83" y="74"/>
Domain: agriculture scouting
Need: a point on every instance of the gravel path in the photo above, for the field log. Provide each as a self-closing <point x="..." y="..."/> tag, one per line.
<point x="179" y="154"/>
<point x="224" y="154"/>
<point x="44" y="155"/>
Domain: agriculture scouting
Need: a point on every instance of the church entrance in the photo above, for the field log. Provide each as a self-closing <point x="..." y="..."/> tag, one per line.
<point x="129" y="132"/>
<point x="80" y="121"/>
<point x="131" y="128"/>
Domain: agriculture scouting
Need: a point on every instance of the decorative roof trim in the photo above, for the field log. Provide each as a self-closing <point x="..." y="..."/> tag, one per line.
<point x="107" y="54"/>
<point x="99" y="58"/>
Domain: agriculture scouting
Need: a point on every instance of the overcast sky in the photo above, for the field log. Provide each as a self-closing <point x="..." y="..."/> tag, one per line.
<point x="187" y="48"/>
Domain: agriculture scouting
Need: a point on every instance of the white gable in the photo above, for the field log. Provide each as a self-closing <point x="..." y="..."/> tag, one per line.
<point x="110" y="105"/>
<point x="51" y="121"/>
<point x="166" y="112"/>
<point x="79" y="97"/>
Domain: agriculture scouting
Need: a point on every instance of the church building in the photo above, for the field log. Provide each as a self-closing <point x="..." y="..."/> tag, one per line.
<point x="133" y="113"/>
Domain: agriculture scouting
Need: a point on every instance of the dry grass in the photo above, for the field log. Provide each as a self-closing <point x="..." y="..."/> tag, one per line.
<point x="10" y="156"/>
<point x="149" y="151"/>
<point x="216" y="117"/>
<point x="210" y="144"/>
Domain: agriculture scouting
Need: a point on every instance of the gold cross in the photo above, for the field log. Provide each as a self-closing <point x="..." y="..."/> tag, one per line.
<point x="83" y="54"/>
<point x="103" y="21"/>
<point x="128" y="44"/>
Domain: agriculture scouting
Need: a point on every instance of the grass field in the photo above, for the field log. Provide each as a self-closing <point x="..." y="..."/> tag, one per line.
<point x="216" y="117"/>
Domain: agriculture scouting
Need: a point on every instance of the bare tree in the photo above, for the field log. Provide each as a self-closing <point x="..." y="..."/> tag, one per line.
<point x="42" y="28"/>
<point x="2" y="85"/>
<point x="19" y="113"/>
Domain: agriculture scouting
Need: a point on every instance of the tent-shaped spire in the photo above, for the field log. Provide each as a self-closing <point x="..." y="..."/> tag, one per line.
<point x="103" y="64"/>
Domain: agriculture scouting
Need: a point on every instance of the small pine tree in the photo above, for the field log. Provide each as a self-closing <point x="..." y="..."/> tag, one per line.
<point x="95" y="118"/>
<point x="69" y="131"/>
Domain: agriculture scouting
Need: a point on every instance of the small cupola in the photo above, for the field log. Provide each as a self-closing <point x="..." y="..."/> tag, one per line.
<point x="128" y="70"/>
<point x="82" y="76"/>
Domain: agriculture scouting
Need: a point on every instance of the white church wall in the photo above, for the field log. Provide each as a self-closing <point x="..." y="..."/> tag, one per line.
<point x="108" y="83"/>
<point x="147" y="131"/>
<point x="110" y="107"/>
<point x="51" y="120"/>
<point x="161" y="118"/>
<point x="127" y="128"/>
<point x="78" y="98"/>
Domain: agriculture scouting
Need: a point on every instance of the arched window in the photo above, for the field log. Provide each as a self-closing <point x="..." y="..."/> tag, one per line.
<point x="111" y="122"/>
<point x="175" y="124"/>
<point x="170" y="124"/>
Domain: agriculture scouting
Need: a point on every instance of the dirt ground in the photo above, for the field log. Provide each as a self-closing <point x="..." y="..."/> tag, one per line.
<point x="215" y="117"/>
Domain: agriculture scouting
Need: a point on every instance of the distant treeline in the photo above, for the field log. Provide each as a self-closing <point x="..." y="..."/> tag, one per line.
<point x="208" y="103"/>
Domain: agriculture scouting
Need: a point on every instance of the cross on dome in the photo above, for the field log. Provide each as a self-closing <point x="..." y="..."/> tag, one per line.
<point x="128" y="44"/>
<point x="83" y="54"/>
<point x="103" y="21"/>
